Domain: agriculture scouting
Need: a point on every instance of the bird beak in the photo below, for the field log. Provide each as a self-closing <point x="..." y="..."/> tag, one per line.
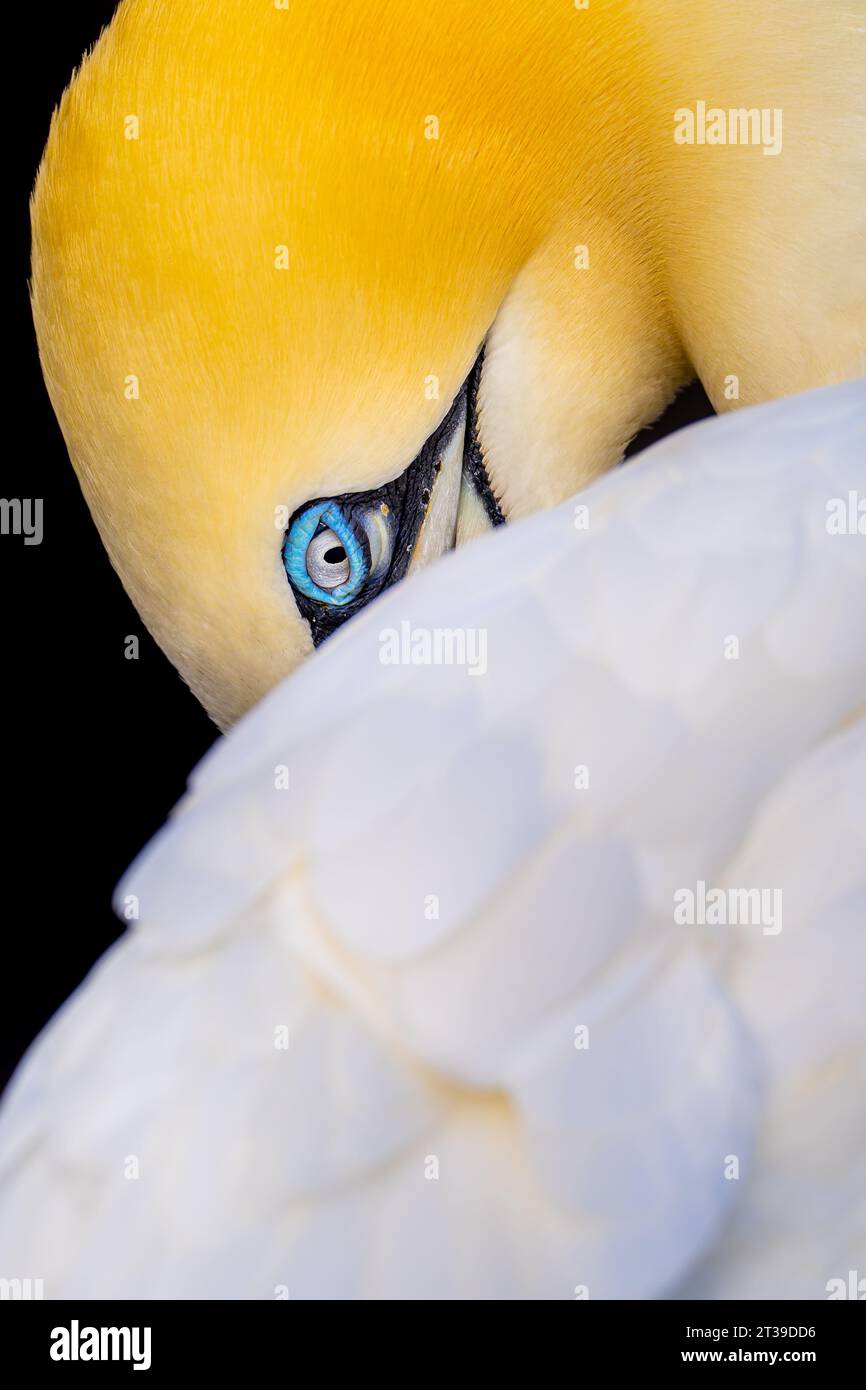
<point x="462" y="505"/>
<point x="438" y="530"/>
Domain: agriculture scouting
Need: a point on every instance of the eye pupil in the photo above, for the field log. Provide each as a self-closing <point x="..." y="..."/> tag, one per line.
<point x="327" y="560"/>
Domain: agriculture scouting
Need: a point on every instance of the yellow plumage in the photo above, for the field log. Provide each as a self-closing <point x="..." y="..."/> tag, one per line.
<point x="260" y="233"/>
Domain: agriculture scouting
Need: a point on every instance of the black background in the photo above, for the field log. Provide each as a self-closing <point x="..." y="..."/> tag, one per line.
<point x="97" y="748"/>
<point x="214" y="1343"/>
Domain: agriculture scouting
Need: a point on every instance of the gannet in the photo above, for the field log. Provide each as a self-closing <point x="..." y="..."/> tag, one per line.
<point x="511" y="946"/>
<point x="270" y="245"/>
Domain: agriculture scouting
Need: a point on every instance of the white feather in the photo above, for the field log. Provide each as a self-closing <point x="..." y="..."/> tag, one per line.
<point x="433" y="908"/>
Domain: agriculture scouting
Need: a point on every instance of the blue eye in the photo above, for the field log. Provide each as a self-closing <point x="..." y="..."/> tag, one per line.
<point x="324" y="557"/>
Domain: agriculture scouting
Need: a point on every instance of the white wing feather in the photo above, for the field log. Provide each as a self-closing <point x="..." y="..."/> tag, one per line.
<point x="435" y="913"/>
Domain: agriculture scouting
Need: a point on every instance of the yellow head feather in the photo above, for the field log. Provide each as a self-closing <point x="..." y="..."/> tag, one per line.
<point x="259" y="233"/>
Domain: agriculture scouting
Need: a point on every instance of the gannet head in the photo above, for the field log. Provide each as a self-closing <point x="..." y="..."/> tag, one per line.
<point x="268" y="251"/>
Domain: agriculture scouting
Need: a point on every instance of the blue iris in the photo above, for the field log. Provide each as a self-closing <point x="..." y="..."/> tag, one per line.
<point x="314" y="519"/>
